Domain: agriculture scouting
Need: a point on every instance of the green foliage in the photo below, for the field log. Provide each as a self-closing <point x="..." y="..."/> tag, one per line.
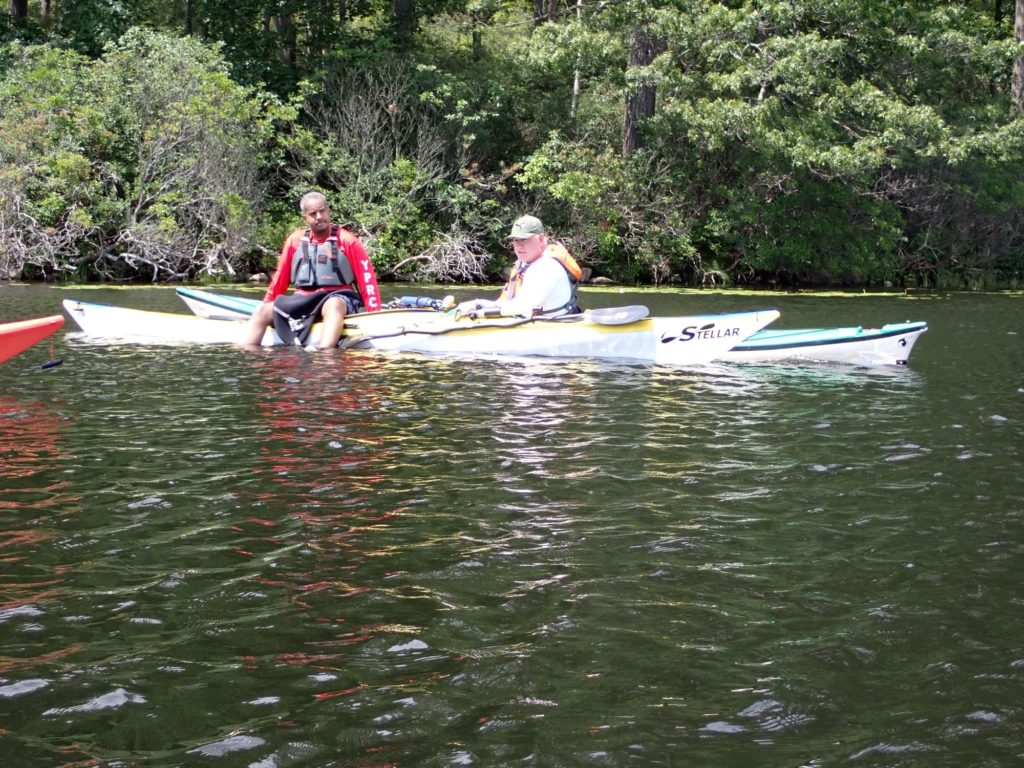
<point x="143" y="163"/>
<point x="386" y="143"/>
<point x="849" y="142"/>
<point x="814" y="232"/>
<point x="91" y="25"/>
<point x="809" y="142"/>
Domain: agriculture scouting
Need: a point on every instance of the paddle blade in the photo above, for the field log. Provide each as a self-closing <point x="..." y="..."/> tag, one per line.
<point x="617" y="315"/>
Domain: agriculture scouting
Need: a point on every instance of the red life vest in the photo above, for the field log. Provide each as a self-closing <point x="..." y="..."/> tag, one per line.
<point x="321" y="265"/>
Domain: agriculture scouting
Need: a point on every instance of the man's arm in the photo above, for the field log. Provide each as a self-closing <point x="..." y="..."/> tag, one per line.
<point x="282" y="278"/>
<point x="366" y="276"/>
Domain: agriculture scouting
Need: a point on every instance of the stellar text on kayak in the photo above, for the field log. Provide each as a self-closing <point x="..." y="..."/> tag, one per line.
<point x="692" y="332"/>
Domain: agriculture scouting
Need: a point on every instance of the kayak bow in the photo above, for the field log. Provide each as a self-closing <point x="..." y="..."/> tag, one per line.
<point x="18" y="336"/>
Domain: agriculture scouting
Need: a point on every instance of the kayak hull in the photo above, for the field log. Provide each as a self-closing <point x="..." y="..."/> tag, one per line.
<point x="670" y="340"/>
<point x="690" y="340"/>
<point x="18" y="336"/>
<point x="133" y="326"/>
<point x="867" y="347"/>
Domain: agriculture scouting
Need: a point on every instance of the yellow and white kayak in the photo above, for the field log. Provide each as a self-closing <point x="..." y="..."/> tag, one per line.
<point x="621" y="333"/>
<point x="890" y="344"/>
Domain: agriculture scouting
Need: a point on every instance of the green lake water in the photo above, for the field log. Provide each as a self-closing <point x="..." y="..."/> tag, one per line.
<point x="219" y="557"/>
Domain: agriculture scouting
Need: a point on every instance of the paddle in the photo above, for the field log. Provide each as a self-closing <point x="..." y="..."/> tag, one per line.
<point x="600" y="316"/>
<point x="611" y="315"/>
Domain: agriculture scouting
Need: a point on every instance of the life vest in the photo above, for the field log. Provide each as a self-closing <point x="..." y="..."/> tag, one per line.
<point x="558" y="252"/>
<point x="321" y="265"/>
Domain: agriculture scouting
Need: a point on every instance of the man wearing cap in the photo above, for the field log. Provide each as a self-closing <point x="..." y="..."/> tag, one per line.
<point x="543" y="280"/>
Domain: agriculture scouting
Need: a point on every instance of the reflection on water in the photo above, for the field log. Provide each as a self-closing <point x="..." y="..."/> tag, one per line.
<point x="31" y="501"/>
<point x="281" y="558"/>
<point x="29" y="442"/>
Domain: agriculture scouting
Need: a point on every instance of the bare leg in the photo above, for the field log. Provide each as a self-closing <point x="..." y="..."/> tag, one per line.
<point x="257" y="325"/>
<point x="333" y="313"/>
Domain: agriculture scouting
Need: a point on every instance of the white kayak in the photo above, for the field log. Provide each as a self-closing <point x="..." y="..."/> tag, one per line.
<point x="619" y="333"/>
<point x="890" y="344"/>
<point x="217" y="306"/>
<point x="866" y="347"/>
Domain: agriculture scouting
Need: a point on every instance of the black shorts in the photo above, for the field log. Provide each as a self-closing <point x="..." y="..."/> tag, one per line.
<point x="294" y="315"/>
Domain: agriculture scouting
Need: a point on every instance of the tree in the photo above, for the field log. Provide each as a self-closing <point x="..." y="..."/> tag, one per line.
<point x="666" y="139"/>
<point x="796" y="141"/>
<point x="403" y="20"/>
<point x="145" y="163"/>
<point x="19" y="10"/>
<point x="1017" y="94"/>
<point x="384" y="153"/>
<point x="640" y="93"/>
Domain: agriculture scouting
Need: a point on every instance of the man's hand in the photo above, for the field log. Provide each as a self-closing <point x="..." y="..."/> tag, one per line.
<point x="474" y="307"/>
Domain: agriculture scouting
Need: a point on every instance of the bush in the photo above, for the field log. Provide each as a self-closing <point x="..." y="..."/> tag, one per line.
<point x="145" y="163"/>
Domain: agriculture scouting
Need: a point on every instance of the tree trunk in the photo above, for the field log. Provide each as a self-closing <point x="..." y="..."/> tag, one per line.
<point x="1017" y="89"/>
<point x="284" y="25"/>
<point x="643" y="48"/>
<point x="576" y="77"/>
<point x="188" y="17"/>
<point x="552" y="11"/>
<point x="403" y="17"/>
<point x="19" y="10"/>
<point x="478" y="42"/>
<point x="538" y="12"/>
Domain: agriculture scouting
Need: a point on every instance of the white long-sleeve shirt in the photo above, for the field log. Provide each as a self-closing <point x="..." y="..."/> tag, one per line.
<point x="545" y="286"/>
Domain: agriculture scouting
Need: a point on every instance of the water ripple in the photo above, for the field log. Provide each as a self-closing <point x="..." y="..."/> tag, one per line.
<point x="280" y="558"/>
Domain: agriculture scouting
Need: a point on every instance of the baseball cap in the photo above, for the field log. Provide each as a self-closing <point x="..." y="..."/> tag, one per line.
<point x="526" y="226"/>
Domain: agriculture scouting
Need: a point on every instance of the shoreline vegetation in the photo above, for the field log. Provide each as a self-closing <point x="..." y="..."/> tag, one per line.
<point x="779" y="147"/>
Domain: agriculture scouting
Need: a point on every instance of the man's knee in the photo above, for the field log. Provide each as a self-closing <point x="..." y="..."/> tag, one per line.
<point x="335" y="306"/>
<point x="264" y="312"/>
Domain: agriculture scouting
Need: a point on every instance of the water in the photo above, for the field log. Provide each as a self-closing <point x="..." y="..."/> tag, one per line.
<point x="211" y="557"/>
